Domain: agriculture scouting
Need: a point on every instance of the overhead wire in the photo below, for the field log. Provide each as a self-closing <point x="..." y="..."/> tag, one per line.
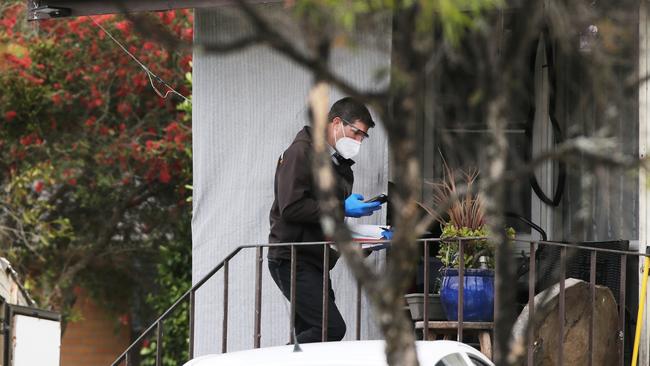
<point x="150" y="74"/>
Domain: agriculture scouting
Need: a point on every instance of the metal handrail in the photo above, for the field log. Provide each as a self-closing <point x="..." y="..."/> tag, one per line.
<point x="189" y="295"/>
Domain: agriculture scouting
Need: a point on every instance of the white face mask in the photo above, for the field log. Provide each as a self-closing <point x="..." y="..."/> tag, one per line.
<point x="347" y="146"/>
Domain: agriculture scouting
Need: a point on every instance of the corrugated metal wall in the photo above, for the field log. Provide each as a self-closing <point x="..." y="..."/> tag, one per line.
<point x="247" y="108"/>
<point x="600" y="203"/>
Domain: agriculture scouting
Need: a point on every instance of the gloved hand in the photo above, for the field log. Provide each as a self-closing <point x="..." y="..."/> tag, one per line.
<point x="355" y="207"/>
<point x="387" y="234"/>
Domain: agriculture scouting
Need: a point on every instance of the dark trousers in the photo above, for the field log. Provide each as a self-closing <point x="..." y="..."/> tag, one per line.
<point x="309" y="301"/>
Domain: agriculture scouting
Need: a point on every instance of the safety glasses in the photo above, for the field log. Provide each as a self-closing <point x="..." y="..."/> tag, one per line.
<point x="356" y="130"/>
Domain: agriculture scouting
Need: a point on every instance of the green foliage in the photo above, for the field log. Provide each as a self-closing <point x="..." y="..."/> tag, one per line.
<point x="473" y="249"/>
<point x="454" y="17"/>
<point x="174" y="279"/>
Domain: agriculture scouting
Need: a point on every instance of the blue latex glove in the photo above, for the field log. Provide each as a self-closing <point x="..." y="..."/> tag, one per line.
<point x="355" y="207"/>
<point x="387" y="234"/>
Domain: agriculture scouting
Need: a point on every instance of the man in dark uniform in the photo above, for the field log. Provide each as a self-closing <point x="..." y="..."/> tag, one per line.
<point x="295" y="216"/>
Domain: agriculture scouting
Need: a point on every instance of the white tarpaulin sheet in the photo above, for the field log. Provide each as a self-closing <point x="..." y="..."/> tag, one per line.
<point x="247" y="108"/>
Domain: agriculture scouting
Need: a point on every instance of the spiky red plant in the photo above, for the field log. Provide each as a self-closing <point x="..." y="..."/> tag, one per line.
<point x="465" y="208"/>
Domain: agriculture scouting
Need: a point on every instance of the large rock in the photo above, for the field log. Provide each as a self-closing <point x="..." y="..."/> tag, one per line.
<point x="575" y="340"/>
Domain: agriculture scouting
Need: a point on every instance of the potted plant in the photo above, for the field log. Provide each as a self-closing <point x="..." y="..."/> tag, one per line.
<point x="465" y="219"/>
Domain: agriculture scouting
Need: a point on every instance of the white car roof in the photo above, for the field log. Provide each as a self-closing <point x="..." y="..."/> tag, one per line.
<point x="352" y="353"/>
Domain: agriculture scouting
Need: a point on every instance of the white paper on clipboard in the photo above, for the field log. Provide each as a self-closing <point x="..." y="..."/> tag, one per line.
<point x="370" y="233"/>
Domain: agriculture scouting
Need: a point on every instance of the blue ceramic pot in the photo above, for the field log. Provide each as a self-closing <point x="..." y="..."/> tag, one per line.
<point x="478" y="294"/>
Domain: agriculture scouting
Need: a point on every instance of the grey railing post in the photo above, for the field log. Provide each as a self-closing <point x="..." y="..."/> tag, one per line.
<point x="159" y="344"/>
<point x="425" y="310"/>
<point x="592" y="299"/>
<point x="531" y="303"/>
<point x="258" y="297"/>
<point x="292" y="290"/>
<point x="461" y="287"/>
<point x="326" y="293"/>
<point x="560" y="351"/>
<point x="358" y="312"/>
<point x="192" y="305"/>
<point x="224" y="329"/>
<point x="621" y="312"/>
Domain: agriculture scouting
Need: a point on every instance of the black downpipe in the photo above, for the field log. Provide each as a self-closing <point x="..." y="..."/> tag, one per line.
<point x="557" y="131"/>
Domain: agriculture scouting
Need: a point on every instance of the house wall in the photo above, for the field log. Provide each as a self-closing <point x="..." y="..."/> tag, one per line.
<point x="247" y="108"/>
<point x="94" y="340"/>
<point x="604" y="203"/>
<point x="600" y="203"/>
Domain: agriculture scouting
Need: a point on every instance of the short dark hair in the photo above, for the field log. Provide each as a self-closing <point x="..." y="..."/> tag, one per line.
<point x="351" y="110"/>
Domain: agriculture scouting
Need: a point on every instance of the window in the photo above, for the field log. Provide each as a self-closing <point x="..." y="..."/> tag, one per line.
<point x="454" y="359"/>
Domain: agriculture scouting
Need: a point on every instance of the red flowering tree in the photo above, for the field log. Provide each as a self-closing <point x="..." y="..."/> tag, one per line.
<point x="93" y="163"/>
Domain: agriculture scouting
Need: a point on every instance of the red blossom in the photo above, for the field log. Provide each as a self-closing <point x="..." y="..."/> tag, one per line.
<point x="124" y="320"/>
<point x="77" y="290"/>
<point x="38" y="186"/>
<point x="10" y="115"/>
<point x="29" y="77"/>
<point x="94" y="49"/>
<point x="124" y="26"/>
<point x="90" y="121"/>
<point x="173" y="127"/>
<point x="72" y="181"/>
<point x="164" y="176"/>
<point x="24" y="62"/>
<point x="185" y="62"/>
<point x="8" y="23"/>
<point x="187" y="34"/>
<point x="167" y="17"/>
<point x="179" y="139"/>
<point x="26" y="140"/>
<point x="124" y="109"/>
<point x="152" y="145"/>
<point x="31" y="139"/>
<point x="56" y="99"/>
